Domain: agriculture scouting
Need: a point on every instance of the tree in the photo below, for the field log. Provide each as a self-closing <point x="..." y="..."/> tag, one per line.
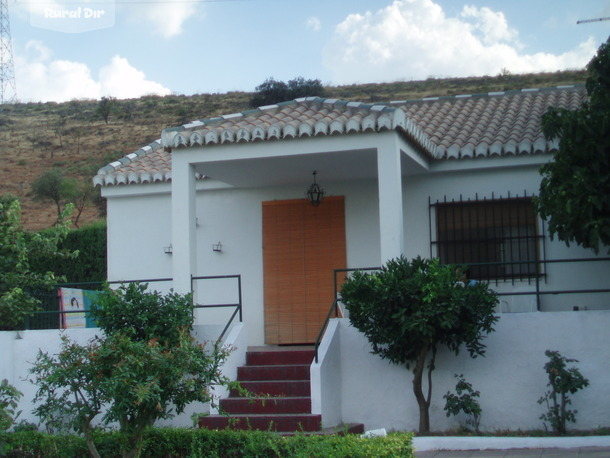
<point x="575" y="187"/>
<point x="272" y="91"/>
<point x="18" y="282"/>
<point x="147" y="367"/>
<point x="410" y="308"/>
<point x="53" y="186"/>
<point x="105" y="107"/>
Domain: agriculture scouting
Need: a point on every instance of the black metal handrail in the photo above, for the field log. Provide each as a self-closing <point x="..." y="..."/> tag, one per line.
<point x="537" y="291"/>
<point x="59" y="313"/>
<point x="238" y="305"/>
<point x="333" y="308"/>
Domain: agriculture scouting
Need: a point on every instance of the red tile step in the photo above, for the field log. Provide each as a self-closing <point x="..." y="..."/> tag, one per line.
<point x="273" y="372"/>
<point x="266" y="405"/>
<point x="261" y="356"/>
<point x="289" y="388"/>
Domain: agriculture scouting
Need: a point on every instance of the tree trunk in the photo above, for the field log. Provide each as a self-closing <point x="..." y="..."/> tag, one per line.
<point x="422" y="402"/>
<point x="88" y="439"/>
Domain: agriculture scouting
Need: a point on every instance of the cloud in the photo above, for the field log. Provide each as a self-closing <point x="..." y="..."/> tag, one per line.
<point x="313" y="23"/>
<point x="40" y="77"/>
<point x="119" y="79"/>
<point x="414" y="39"/>
<point x="168" y="17"/>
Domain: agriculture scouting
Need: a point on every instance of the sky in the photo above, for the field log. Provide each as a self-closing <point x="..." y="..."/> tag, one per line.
<point x="86" y="49"/>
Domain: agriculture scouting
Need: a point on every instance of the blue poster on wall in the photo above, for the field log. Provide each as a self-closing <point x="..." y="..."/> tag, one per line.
<point x="75" y="303"/>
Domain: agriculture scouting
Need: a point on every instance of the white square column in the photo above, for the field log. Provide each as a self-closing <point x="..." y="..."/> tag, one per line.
<point x="184" y="243"/>
<point x="391" y="223"/>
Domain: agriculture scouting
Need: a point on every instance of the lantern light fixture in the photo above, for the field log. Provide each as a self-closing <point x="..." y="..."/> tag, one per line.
<point x="314" y="193"/>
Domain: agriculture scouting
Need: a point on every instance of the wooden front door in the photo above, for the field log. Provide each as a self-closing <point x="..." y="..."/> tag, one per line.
<point x="302" y="245"/>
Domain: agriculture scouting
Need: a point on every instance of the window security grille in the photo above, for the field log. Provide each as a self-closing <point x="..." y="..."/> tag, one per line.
<point x="499" y="238"/>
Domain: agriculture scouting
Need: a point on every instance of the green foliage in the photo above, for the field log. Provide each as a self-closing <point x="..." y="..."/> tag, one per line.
<point x="90" y="266"/>
<point x="575" y="186"/>
<point x="272" y="91"/>
<point x="563" y="380"/>
<point x="464" y="400"/>
<point x="147" y="367"/>
<point x="147" y="315"/>
<point x="105" y="107"/>
<point x="54" y="187"/>
<point x="17" y="280"/>
<point x="174" y="443"/>
<point x="9" y="399"/>
<point x="410" y="308"/>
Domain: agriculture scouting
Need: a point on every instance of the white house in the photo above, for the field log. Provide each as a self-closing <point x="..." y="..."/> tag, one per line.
<point x="450" y="176"/>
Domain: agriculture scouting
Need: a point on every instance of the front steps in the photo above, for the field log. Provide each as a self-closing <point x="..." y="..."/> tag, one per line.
<point x="280" y="376"/>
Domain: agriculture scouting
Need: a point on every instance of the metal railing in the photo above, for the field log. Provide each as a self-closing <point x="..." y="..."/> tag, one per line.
<point x="51" y="317"/>
<point x="538" y="291"/>
<point x="237" y="305"/>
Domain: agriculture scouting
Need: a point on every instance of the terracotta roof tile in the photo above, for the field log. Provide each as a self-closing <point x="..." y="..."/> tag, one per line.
<point x="464" y="126"/>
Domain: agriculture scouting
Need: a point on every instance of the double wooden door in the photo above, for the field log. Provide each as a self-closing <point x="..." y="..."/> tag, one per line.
<point x="302" y="245"/>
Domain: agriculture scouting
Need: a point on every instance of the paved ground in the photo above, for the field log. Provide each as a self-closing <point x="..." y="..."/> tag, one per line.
<point x="588" y="452"/>
<point x="522" y="447"/>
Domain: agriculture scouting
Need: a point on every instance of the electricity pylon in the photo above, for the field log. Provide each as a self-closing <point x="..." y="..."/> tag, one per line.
<point x="8" y="89"/>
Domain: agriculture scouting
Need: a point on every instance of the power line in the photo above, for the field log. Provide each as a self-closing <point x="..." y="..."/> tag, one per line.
<point x="593" y="20"/>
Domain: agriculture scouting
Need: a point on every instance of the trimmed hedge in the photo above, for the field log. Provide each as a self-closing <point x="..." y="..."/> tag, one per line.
<point x="173" y="442"/>
<point x="89" y="266"/>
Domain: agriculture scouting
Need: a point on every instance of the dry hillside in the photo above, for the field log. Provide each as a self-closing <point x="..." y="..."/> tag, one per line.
<point x="37" y="136"/>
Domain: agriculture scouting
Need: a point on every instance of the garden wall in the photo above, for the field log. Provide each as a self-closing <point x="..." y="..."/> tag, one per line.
<point x="511" y="377"/>
<point x="20" y="348"/>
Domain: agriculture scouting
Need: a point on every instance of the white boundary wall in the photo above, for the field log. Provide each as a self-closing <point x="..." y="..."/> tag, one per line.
<point x="20" y="348"/>
<point x="510" y="377"/>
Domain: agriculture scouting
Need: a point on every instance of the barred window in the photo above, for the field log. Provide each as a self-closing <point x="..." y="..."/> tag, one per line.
<point x="498" y="239"/>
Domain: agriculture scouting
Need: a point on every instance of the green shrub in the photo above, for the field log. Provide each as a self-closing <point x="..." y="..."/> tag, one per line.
<point x="563" y="380"/>
<point x="173" y="442"/>
<point x="465" y="400"/>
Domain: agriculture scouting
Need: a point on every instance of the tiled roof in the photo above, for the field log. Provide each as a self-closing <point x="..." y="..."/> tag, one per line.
<point x="479" y="125"/>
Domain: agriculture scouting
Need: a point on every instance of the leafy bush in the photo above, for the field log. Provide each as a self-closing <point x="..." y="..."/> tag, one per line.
<point x="148" y="315"/>
<point x="147" y="367"/>
<point x="562" y="380"/>
<point x="9" y="399"/>
<point x="170" y="443"/>
<point x="465" y="400"/>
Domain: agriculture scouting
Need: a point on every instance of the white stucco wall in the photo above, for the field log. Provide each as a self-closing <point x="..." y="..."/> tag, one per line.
<point x="510" y="377"/>
<point x="139" y="228"/>
<point x="20" y="349"/>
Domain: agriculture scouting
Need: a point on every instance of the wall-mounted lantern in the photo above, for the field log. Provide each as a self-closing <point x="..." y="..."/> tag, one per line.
<point x="217" y="247"/>
<point x="168" y="249"/>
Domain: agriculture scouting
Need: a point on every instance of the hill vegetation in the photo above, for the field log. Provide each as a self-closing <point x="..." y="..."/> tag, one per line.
<point x="76" y="137"/>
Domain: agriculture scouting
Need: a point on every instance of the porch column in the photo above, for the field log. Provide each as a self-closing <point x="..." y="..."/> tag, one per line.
<point x="391" y="225"/>
<point x="184" y="243"/>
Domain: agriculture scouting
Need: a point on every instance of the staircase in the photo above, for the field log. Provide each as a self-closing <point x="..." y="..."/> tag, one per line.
<point x="280" y="375"/>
